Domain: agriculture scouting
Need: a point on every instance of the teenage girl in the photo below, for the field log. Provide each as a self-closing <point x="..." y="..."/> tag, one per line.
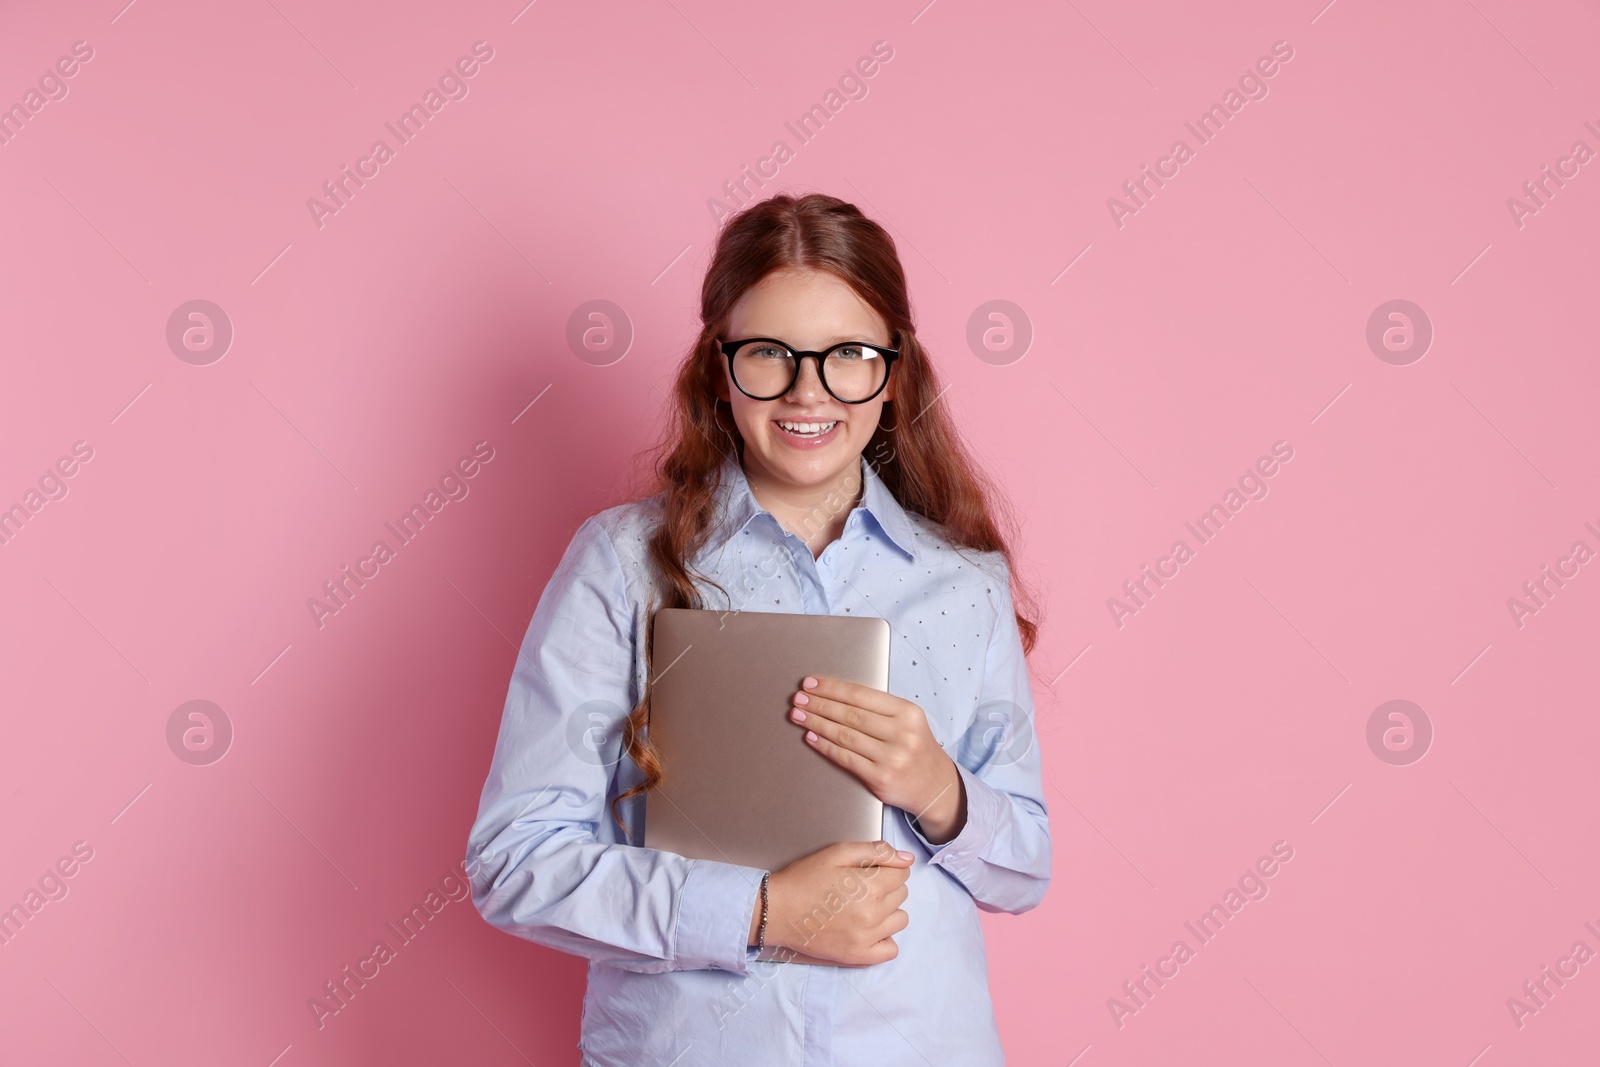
<point x="809" y="466"/>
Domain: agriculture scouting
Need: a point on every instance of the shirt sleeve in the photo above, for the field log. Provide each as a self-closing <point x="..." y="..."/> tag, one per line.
<point x="1002" y="853"/>
<point x="539" y="869"/>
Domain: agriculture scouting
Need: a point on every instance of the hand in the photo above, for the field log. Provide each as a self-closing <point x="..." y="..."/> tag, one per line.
<point x="884" y="741"/>
<point x="839" y="905"/>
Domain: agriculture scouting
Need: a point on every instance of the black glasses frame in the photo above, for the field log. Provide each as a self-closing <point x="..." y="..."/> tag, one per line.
<point x="889" y="355"/>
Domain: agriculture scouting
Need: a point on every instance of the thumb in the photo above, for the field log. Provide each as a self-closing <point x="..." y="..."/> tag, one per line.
<point x="874" y="854"/>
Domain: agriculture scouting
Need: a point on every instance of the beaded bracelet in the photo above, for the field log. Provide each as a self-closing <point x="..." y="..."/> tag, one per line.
<point x="761" y="931"/>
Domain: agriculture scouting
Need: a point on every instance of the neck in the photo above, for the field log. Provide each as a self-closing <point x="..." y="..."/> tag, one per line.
<point x="814" y="513"/>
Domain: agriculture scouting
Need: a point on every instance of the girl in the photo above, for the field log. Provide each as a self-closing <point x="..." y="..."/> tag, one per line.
<point x="782" y="487"/>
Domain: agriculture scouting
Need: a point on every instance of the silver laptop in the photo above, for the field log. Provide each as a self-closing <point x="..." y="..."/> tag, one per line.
<point x="740" y="784"/>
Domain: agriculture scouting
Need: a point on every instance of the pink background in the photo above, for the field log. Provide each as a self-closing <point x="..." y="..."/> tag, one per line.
<point x="1228" y="313"/>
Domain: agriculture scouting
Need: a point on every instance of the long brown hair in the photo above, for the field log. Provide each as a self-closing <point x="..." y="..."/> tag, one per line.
<point x="919" y="456"/>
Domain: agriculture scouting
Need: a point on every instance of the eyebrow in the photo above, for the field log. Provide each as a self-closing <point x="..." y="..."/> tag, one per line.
<point x="836" y="339"/>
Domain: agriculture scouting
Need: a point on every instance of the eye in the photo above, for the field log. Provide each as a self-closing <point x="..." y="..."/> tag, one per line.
<point x="768" y="351"/>
<point x="854" y="353"/>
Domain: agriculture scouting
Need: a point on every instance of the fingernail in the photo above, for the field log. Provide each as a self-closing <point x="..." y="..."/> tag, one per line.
<point x="809" y="683"/>
<point x="903" y="854"/>
<point x="797" y="715"/>
<point x="810" y="736"/>
<point x="801" y="698"/>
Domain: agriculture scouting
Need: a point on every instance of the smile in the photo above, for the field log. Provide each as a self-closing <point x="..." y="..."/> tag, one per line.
<point x="806" y="429"/>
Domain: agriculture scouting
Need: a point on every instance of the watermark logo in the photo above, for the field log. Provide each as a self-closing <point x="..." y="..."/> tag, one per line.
<point x="52" y="486"/>
<point x="452" y="85"/>
<point x="999" y="332"/>
<point x="1538" y="192"/>
<point x="52" y="886"/>
<point x="1005" y="733"/>
<point x="339" y="592"/>
<point x="50" y="88"/>
<point x="1137" y="593"/>
<point x="1399" y="732"/>
<point x="1538" y="592"/>
<point x="1252" y="886"/>
<point x="1206" y="127"/>
<point x="847" y="890"/>
<point x="771" y="564"/>
<point x="594" y="732"/>
<point x="599" y="332"/>
<point x="742" y="191"/>
<point x="338" y="992"/>
<point x="199" y="332"/>
<point x="199" y="732"/>
<point x="1399" y="332"/>
<point x="1537" y="992"/>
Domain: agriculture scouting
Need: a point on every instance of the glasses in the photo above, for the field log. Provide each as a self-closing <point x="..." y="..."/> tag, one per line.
<point x="852" y="372"/>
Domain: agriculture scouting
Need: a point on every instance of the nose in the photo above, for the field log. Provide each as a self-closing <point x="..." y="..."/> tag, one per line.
<point x="808" y="386"/>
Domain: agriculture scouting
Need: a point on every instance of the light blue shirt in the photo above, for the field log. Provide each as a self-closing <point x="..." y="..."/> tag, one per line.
<point x="670" y="978"/>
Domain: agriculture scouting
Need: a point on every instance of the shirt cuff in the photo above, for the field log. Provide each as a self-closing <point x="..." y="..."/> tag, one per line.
<point x="961" y="854"/>
<point x="714" y="909"/>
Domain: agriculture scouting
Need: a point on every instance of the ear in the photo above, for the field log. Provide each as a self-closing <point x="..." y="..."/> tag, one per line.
<point x="720" y="382"/>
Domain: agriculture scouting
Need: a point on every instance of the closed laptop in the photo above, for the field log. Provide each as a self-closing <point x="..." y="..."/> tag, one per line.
<point x="740" y="784"/>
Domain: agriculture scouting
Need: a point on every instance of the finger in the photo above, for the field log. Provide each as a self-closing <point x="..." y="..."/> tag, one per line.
<point x="870" y="854"/>
<point x="884" y="951"/>
<point x="846" y="737"/>
<point x="895" y="876"/>
<point x="887" y="876"/>
<point x="851" y="761"/>
<point x="886" y="855"/>
<point x="862" y="696"/>
<point x="872" y="723"/>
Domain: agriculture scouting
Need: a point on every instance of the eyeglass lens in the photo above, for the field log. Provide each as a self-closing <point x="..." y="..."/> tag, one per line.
<point x="852" y="372"/>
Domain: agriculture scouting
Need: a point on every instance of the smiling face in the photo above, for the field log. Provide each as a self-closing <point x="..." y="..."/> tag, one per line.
<point x="808" y="310"/>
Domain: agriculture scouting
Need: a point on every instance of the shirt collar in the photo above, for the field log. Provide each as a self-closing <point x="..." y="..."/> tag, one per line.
<point x="738" y="504"/>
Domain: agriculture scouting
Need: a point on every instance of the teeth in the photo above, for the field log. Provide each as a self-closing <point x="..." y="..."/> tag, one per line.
<point x="810" y="428"/>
